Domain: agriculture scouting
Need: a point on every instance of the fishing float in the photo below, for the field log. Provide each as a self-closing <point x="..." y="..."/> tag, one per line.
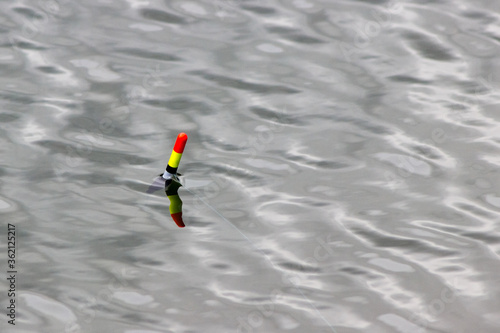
<point x="175" y="157"/>
<point x="172" y="183"/>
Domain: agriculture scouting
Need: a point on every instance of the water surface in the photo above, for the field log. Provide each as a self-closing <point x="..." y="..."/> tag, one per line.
<point x="341" y="173"/>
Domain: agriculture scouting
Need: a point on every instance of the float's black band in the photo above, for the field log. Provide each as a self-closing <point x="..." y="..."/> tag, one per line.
<point x="171" y="170"/>
<point x="172" y="187"/>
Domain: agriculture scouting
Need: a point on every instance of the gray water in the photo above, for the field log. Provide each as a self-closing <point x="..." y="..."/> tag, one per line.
<point x="341" y="172"/>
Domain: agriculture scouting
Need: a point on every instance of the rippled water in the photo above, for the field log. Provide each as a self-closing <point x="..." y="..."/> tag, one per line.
<point x="341" y="173"/>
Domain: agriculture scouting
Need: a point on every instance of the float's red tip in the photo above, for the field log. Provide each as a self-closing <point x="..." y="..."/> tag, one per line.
<point x="177" y="217"/>
<point x="180" y="143"/>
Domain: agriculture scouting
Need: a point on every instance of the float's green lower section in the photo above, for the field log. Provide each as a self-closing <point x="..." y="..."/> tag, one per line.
<point x="175" y="204"/>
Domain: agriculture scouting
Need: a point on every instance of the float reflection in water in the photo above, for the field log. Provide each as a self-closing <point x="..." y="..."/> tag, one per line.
<point x="171" y="188"/>
<point x="170" y="181"/>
